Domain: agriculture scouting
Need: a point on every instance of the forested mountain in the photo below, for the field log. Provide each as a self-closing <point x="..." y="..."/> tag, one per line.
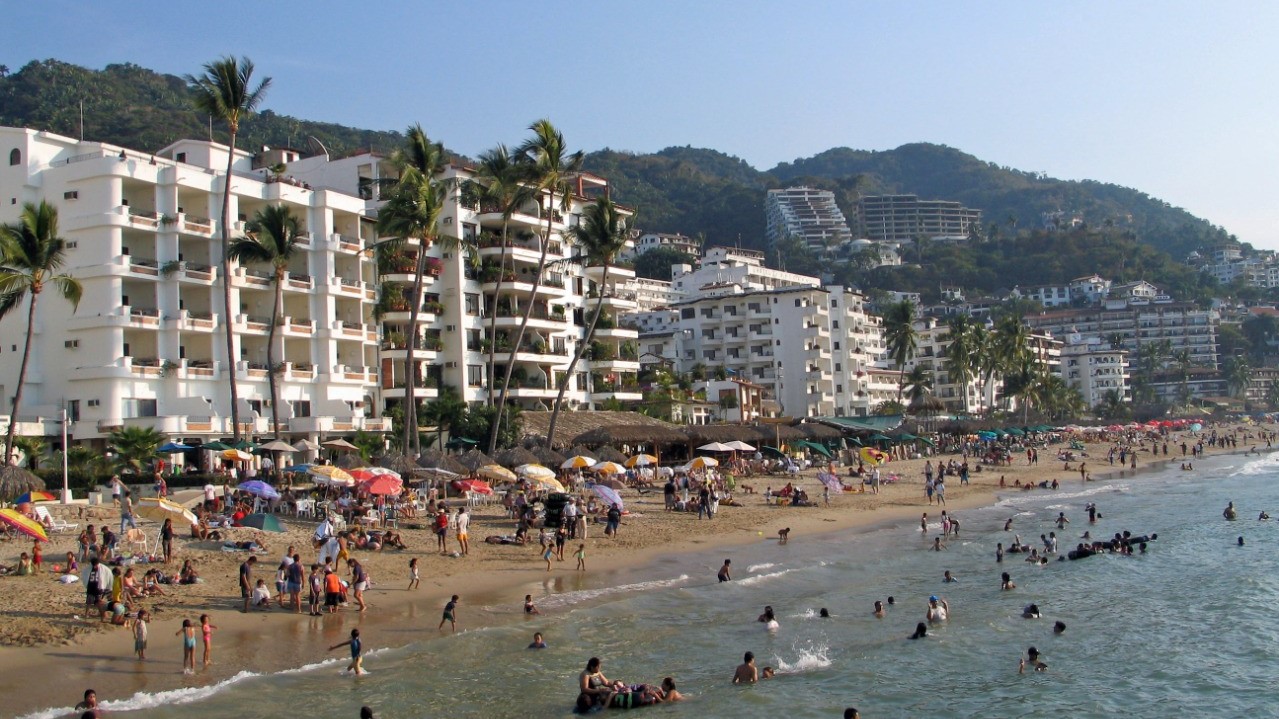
<point x="679" y="189"/>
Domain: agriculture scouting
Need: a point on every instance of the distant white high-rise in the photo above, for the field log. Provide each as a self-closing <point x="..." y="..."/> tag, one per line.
<point x="806" y="213"/>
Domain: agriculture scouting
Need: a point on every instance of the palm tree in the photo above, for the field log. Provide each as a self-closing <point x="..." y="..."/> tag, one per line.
<point x="502" y="181"/>
<point x="225" y="92"/>
<point x="31" y="253"/>
<point x="601" y="234"/>
<point x="1008" y="348"/>
<point x="272" y="239"/>
<point x="1238" y="374"/>
<point x="1112" y="405"/>
<point x="412" y="213"/>
<point x="32" y="449"/>
<point x="551" y="170"/>
<point x="134" y="446"/>
<point x="920" y="381"/>
<point x="1184" y="362"/>
<point x="961" y="354"/>
<point x="900" y="338"/>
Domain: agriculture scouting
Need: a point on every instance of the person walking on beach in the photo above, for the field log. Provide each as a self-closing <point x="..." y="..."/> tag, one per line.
<point x="246" y="581"/>
<point x="140" y="635"/>
<point x="166" y="540"/>
<point x="548" y="551"/>
<point x="414" y="580"/>
<point x="126" y="512"/>
<point x="581" y="557"/>
<point x="359" y="581"/>
<point x="357" y="651"/>
<point x="450" y="613"/>
<point x="923" y="522"/>
<point x="929" y="487"/>
<point x="315" y="583"/>
<point x="725" y="575"/>
<point x="442" y="530"/>
<point x="206" y="630"/>
<point x="940" y="489"/>
<point x="188" y="647"/>
<point x="614" y="521"/>
<point x="462" y="524"/>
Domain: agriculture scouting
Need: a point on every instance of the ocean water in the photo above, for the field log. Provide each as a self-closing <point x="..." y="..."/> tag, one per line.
<point x="1189" y="629"/>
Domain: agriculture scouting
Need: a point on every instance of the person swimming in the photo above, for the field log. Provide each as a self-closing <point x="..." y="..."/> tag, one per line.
<point x="1229" y="512"/>
<point x="1030" y="611"/>
<point x="824" y="613"/>
<point x="938" y="610"/>
<point x="1032" y="659"/>
<point x="879" y="609"/>
<point x="921" y="631"/>
<point x="1059" y="627"/>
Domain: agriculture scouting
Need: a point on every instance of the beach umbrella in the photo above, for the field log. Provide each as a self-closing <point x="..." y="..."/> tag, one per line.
<point x="478" y="486"/>
<point x="496" y="472"/>
<point x="534" y="470"/>
<point x="579" y="461"/>
<point x="773" y="452"/>
<point x="264" y="522"/>
<point x="870" y="455"/>
<point x="608" y="468"/>
<point x="617" y="484"/>
<point x="331" y="476"/>
<point x="608" y="494"/>
<point x="703" y="462"/>
<point x="340" y="445"/>
<point x="306" y="445"/>
<point x="364" y="474"/>
<point x="435" y="473"/>
<point x="298" y="468"/>
<point x="739" y="446"/>
<point x="172" y="448"/>
<point x="641" y="460"/>
<point x="258" y="488"/>
<point x="1196" y="427"/>
<point x="715" y="447"/>
<point x="831" y="482"/>
<point x="236" y="455"/>
<point x="24" y="524"/>
<point x="474" y="459"/>
<point x="36" y="496"/>
<point x="548" y="483"/>
<point x="15" y="480"/>
<point x="243" y="445"/>
<point x="215" y="446"/>
<point x="385" y="484"/>
<point x="158" y="509"/>
<point x="276" y="445"/>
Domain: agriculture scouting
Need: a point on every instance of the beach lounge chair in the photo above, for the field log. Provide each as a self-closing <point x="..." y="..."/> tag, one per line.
<point x="57" y="525"/>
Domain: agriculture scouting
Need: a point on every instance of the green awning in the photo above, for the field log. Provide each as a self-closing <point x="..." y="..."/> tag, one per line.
<point x="772" y="452"/>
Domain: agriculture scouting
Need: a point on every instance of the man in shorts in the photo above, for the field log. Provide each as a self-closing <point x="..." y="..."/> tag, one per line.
<point x="450" y="613"/>
<point x="294" y="575"/>
<point x="246" y="581"/>
<point x="462" y="522"/>
<point x="442" y="531"/>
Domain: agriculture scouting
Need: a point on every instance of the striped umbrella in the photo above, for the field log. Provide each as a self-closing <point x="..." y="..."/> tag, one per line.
<point x="608" y="468"/>
<point x="35" y="496"/>
<point x="332" y="476"/>
<point x="641" y="460"/>
<point x="579" y="461"/>
<point x="24" y="524"/>
<point x="158" y="509"/>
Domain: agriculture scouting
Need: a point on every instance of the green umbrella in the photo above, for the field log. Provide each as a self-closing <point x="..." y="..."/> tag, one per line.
<point x="907" y="437"/>
<point x="264" y="522"/>
<point x="1014" y="431"/>
<point x="216" y="446"/>
<point x="927" y="441"/>
<point x="880" y="438"/>
<point x="243" y="445"/>
<point x="772" y="452"/>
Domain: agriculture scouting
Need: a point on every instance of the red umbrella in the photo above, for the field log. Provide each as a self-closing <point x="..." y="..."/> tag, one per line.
<point x="472" y="485"/>
<point x="383" y="484"/>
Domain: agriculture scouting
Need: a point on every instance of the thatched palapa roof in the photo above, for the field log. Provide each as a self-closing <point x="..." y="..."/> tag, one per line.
<point x="623" y="427"/>
<point x="700" y="434"/>
<point x="475" y="459"/>
<point x="548" y="456"/>
<point x="630" y="434"/>
<point x="819" y="432"/>
<point x="609" y="454"/>
<point x="515" y="456"/>
<point x="436" y="459"/>
<point x="16" y="481"/>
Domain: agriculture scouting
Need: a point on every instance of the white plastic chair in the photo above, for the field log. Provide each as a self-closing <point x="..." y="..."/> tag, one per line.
<point x="306" y="508"/>
<point x="473" y="499"/>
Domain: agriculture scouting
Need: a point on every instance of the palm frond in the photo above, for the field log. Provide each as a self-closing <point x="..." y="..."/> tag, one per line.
<point x="69" y="287"/>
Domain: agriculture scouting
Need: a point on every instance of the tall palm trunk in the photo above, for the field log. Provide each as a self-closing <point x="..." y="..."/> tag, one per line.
<point x="276" y="311"/>
<point x="519" y="335"/>
<point x="411" y="437"/>
<point x="231" y="358"/>
<point x="22" y="376"/>
<point x="497" y="296"/>
<point x="581" y="350"/>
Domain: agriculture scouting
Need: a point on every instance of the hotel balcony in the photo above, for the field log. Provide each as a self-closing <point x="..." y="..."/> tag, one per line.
<point x="539" y="319"/>
<point x="361" y="332"/>
<point x="297" y="327"/>
<point x="189" y="321"/>
<point x="527" y="218"/>
<point x="296" y="282"/>
<point x="246" y="277"/>
<point x="512" y="285"/>
<point x="521" y="250"/>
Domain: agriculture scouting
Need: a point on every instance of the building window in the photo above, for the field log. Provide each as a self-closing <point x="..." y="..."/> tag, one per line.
<point x="688" y="313"/>
<point x="472" y="303"/>
<point x="475" y="375"/>
<point x="15" y="157"/>
<point x="181" y="157"/>
<point x="73" y="410"/>
<point x="138" y="408"/>
<point x="302" y="408"/>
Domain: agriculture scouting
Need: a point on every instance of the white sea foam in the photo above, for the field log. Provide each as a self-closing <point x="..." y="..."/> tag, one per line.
<point x="585" y="595"/>
<point x="1258" y="466"/>
<point x="1024" y="498"/>
<point x="810" y="657"/>
<point x="758" y="578"/>
<point x="759" y="567"/>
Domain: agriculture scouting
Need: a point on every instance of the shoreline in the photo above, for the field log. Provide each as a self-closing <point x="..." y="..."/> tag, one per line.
<point x="398" y="618"/>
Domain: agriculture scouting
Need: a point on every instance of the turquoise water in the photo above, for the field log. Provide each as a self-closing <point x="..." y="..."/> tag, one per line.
<point x="1188" y="629"/>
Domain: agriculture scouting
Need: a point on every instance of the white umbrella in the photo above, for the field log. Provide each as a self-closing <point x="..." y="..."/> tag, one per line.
<point x="535" y="471"/>
<point x="715" y="447"/>
<point x="740" y="446"/>
<point x="306" y="445"/>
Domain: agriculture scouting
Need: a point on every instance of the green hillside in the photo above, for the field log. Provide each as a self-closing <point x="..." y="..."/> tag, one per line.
<point x="679" y="189"/>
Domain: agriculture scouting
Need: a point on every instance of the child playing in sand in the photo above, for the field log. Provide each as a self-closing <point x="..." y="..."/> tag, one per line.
<point x="581" y="557"/>
<point x="414" y="580"/>
<point x="357" y="647"/>
<point x="188" y="647"/>
<point x="262" y="595"/>
<point x="140" y="634"/>
<point x="37" y="557"/>
<point x="206" y="630"/>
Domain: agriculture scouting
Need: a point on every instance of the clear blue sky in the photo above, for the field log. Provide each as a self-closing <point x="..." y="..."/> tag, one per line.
<point x="1178" y="99"/>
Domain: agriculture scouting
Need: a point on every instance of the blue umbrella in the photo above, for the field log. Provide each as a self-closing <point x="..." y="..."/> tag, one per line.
<point x="298" y="468"/>
<point x="259" y="488"/>
<point x="172" y="448"/>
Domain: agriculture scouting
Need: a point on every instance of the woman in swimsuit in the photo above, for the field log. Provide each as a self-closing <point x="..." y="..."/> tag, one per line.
<point x="592" y="682"/>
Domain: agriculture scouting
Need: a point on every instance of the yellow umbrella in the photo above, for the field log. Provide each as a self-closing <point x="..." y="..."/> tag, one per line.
<point x="703" y="462"/>
<point x="496" y="472"/>
<point x="608" y="468"/>
<point x="577" y="462"/>
<point x="548" y="483"/>
<point x="158" y="510"/>
<point x="642" y="460"/>
<point x="237" y="455"/>
<point x="327" y="474"/>
<point x="24" y="524"/>
<point x="535" y="471"/>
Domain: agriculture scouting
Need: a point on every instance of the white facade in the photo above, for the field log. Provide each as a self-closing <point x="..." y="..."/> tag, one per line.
<point x="808" y="214"/>
<point x="654" y="240"/>
<point x="146" y="347"/>
<point x="1183" y="325"/>
<point x="1094" y="368"/>
<point x="933" y="339"/>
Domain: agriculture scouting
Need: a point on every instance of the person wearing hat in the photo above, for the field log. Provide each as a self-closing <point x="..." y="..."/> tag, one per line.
<point x="938" y="610"/>
<point x="1032" y="659"/>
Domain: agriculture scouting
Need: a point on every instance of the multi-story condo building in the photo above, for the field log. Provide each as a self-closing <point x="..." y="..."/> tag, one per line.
<point x="1134" y="324"/>
<point x="146" y="348"/>
<point x="902" y="218"/>
<point x="806" y="213"/>
<point x="1095" y="369"/>
<point x="461" y="299"/>
<point x="654" y="240"/>
<point x="812" y="349"/>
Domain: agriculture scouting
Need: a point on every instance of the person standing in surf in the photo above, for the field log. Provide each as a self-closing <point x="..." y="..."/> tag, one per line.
<point x="357" y="652"/>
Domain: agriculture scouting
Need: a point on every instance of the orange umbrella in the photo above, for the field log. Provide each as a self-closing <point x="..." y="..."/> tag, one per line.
<point x="383" y="484"/>
<point x="23" y="523"/>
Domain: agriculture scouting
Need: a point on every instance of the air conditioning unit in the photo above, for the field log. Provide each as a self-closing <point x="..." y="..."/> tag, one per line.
<point x="448" y="255"/>
<point x="450" y="328"/>
<point x="71" y="344"/>
<point x="450" y="364"/>
<point x="94" y="402"/>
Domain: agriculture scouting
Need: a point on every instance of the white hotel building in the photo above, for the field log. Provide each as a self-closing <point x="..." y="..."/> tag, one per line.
<point x="146" y="345"/>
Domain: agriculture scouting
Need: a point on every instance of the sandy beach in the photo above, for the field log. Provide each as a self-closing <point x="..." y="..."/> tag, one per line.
<point x="44" y="632"/>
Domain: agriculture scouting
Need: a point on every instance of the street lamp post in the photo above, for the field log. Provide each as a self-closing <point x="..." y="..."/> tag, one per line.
<point x="66" y="486"/>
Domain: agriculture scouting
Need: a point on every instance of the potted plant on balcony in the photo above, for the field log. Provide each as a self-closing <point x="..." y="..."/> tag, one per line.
<point x="394" y="341"/>
<point x="168" y="367"/>
<point x="170" y="267"/>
